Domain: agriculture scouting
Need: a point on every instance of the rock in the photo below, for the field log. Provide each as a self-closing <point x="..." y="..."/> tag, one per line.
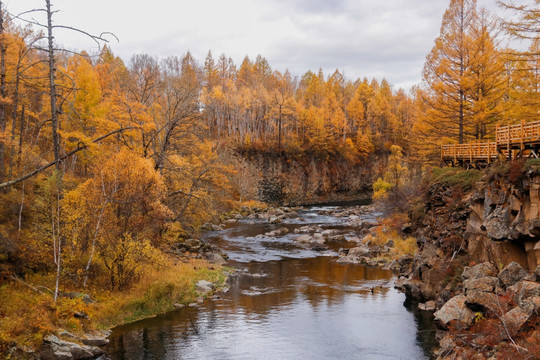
<point x="428" y="306"/>
<point x="412" y="287"/>
<point x="482" y="301"/>
<point x="454" y="310"/>
<point x="303" y="238"/>
<point x="274" y="220"/>
<point x="178" y="306"/>
<point x="481" y="270"/>
<point x="81" y="315"/>
<point x="216" y="227"/>
<point x="96" y="338"/>
<point x="511" y="274"/>
<point x="317" y="238"/>
<point x="515" y="319"/>
<point x="389" y="243"/>
<point x="497" y="224"/>
<point x="319" y="247"/>
<point x="406" y="228"/>
<point x="358" y="251"/>
<point x="215" y="258"/>
<point x="485" y="284"/>
<point x="204" y="287"/>
<point x="54" y="348"/>
<point x="528" y="289"/>
<point x="337" y="238"/>
<point x="347" y="260"/>
<point x="193" y="304"/>
<point x="537" y="273"/>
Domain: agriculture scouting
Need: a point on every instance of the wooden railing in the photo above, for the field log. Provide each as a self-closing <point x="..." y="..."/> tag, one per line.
<point x="524" y="132"/>
<point x="485" y="151"/>
<point x="507" y="138"/>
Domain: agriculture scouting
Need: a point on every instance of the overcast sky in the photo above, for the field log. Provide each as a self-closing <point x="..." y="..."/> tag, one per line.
<point x="372" y="38"/>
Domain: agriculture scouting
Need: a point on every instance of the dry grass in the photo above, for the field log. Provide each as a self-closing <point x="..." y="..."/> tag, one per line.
<point x="387" y="230"/>
<point x="27" y="316"/>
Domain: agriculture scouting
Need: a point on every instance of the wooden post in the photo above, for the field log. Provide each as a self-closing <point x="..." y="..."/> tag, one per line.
<point x="455" y="153"/>
<point x="470" y="153"/>
<point x="522" y="146"/>
<point x="489" y="151"/>
<point x="508" y="141"/>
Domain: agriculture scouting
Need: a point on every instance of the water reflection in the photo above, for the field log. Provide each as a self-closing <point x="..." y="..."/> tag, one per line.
<point x="306" y="307"/>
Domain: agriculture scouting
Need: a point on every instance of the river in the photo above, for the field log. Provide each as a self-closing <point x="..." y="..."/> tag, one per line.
<point x="286" y="301"/>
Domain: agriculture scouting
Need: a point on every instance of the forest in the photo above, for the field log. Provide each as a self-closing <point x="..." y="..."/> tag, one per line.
<point x="106" y="163"/>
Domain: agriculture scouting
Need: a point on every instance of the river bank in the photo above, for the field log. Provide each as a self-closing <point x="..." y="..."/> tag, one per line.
<point x="477" y="264"/>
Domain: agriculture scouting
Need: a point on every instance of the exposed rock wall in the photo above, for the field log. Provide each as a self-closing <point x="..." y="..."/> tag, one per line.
<point x="300" y="180"/>
<point x="504" y="224"/>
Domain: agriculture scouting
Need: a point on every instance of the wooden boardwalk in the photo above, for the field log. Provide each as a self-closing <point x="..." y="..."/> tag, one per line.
<point x="511" y="141"/>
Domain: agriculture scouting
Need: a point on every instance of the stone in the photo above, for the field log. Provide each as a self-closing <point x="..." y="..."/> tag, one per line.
<point x="96" y="338"/>
<point x="515" y="319"/>
<point x="477" y="271"/>
<point x="411" y="287"/>
<point x="303" y="238"/>
<point x="204" y="286"/>
<point x="482" y="301"/>
<point x="511" y="274"/>
<point x="485" y="284"/>
<point x="528" y="289"/>
<point x="358" y="251"/>
<point x="54" y="348"/>
<point x="215" y="258"/>
<point x="428" y="306"/>
<point x="390" y="244"/>
<point x="454" y="309"/>
<point x="318" y="238"/>
<point x="178" y="306"/>
<point x="537" y="273"/>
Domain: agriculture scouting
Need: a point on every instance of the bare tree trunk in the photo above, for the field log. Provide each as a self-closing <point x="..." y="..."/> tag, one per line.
<point x="2" y="90"/>
<point x="52" y="87"/>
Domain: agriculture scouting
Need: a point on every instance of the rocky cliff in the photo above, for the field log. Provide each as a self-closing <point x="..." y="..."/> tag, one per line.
<point x="478" y="264"/>
<point x="302" y="179"/>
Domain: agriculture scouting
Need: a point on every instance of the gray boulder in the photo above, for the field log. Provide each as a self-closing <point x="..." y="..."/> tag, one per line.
<point x="204" y="287"/>
<point x="454" y="309"/>
<point x="477" y="271"/>
<point x="511" y="274"/>
<point x="54" y="348"/>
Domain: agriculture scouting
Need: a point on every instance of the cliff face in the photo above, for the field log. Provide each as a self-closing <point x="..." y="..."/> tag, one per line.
<point x="474" y="252"/>
<point x="504" y="224"/>
<point x="303" y="179"/>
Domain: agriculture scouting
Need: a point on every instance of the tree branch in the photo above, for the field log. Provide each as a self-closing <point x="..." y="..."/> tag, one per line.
<point x="80" y="146"/>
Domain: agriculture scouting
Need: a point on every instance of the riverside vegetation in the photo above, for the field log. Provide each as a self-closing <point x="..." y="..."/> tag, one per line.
<point x="109" y="170"/>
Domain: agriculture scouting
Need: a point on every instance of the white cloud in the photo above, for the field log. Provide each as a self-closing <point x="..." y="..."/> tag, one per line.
<point x="361" y="37"/>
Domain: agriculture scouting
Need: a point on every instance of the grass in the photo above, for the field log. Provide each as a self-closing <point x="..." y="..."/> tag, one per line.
<point x="456" y="177"/>
<point x="26" y="316"/>
<point x="387" y="230"/>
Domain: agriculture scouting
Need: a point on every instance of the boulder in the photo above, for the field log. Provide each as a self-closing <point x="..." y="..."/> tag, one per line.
<point x="215" y="258"/>
<point x="411" y="287"/>
<point x="482" y="301"/>
<point x="358" y="251"/>
<point x="511" y="274"/>
<point x="537" y="273"/>
<point x="515" y="319"/>
<point x="528" y="289"/>
<point x="456" y="310"/>
<point x="485" y="284"/>
<point x="428" y="306"/>
<point x="96" y="338"/>
<point x="303" y="238"/>
<point x="477" y="271"/>
<point x="204" y="287"/>
<point x="54" y="348"/>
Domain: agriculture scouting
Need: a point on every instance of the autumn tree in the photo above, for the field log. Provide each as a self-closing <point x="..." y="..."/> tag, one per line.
<point x="445" y="72"/>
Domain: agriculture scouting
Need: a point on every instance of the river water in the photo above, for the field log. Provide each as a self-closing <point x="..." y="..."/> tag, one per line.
<point x="286" y="301"/>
